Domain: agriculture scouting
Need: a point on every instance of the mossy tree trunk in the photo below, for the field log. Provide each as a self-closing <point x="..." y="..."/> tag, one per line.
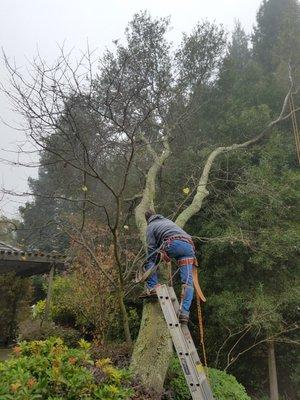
<point x="153" y="348"/>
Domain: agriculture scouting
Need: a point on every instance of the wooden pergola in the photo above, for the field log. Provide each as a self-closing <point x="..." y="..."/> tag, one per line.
<point x="28" y="263"/>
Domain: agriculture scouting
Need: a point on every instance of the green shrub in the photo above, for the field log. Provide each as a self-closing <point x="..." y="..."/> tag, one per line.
<point x="82" y="301"/>
<point x="62" y="309"/>
<point x="115" y="332"/>
<point x="224" y="386"/>
<point x="50" y="370"/>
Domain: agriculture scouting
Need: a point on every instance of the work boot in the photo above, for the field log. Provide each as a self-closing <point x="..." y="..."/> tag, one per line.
<point x="149" y="293"/>
<point x="183" y="318"/>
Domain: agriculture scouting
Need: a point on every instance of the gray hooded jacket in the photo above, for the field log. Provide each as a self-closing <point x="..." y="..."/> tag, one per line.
<point x="159" y="229"/>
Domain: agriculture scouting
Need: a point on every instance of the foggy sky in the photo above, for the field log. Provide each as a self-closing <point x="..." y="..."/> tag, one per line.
<point x="26" y="25"/>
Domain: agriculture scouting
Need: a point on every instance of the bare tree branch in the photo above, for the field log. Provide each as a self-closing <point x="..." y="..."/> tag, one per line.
<point x="148" y="197"/>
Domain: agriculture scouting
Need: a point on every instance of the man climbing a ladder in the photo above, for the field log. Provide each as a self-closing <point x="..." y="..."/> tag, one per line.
<point x="167" y="240"/>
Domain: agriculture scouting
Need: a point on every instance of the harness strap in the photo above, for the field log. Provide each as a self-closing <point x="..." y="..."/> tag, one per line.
<point x="194" y="262"/>
<point x="182" y="238"/>
<point x="197" y="285"/>
<point x="167" y="241"/>
<point x="187" y="261"/>
<point x="185" y="285"/>
<point x="164" y="255"/>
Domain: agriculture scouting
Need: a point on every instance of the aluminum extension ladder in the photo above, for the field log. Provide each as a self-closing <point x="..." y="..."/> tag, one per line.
<point x="184" y="345"/>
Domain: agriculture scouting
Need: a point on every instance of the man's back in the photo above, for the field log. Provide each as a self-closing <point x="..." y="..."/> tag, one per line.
<point x="160" y="228"/>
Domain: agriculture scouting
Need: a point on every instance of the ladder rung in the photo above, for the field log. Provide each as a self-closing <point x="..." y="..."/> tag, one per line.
<point x="184" y="345"/>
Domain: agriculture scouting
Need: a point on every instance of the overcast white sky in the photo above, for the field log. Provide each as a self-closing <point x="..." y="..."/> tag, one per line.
<point x="28" y="24"/>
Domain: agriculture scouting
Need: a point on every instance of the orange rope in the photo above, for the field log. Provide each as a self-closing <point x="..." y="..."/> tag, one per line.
<point x="199" y="311"/>
<point x="295" y="127"/>
<point x="201" y="331"/>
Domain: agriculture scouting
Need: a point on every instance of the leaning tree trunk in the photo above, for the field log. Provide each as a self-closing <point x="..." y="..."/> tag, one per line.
<point x="274" y="395"/>
<point x="153" y="348"/>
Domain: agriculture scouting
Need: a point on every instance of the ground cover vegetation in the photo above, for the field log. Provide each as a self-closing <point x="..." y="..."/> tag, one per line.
<point x="203" y="133"/>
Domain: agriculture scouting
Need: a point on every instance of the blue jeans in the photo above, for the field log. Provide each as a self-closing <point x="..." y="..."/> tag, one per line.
<point x="179" y="249"/>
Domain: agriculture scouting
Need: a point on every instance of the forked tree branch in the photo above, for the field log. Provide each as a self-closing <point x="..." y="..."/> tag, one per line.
<point x="148" y="195"/>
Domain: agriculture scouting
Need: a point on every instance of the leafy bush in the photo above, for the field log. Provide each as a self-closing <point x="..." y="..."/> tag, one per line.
<point x="63" y="308"/>
<point x="224" y="386"/>
<point x="115" y="332"/>
<point x="50" y="370"/>
<point x="83" y="298"/>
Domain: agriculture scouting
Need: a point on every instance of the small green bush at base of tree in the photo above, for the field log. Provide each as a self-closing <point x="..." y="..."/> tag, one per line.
<point x="224" y="386"/>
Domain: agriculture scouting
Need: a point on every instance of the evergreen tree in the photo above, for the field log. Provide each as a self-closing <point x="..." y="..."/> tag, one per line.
<point x="277" y="33"/>
<point x="239" y="52"/>
<point x="252" y="266"/>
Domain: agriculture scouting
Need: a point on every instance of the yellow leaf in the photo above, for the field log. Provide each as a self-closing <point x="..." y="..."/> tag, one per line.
<point x="104" y="362"/>
<point x="126" y="227"/>
<point x="84" y="188"/>
<point x="84" y="344"/>
<point x="186" y="190"/>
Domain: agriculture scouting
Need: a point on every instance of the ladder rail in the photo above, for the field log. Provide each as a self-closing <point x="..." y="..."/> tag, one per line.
<point x="184" y="346"/>
<point x="184" y="328"/>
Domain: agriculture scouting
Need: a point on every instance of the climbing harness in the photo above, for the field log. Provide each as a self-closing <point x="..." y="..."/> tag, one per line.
<point x="142" y="275"/>
<point x="194" y="262"/>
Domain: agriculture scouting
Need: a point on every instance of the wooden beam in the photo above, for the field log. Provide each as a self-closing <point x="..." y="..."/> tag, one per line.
<point x="26" y="264"/>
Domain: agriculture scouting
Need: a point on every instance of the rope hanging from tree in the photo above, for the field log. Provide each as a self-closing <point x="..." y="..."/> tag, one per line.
<point x="295" y="127"/>
<point x="199" y="297"/>
<point x="201" y="330"/>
